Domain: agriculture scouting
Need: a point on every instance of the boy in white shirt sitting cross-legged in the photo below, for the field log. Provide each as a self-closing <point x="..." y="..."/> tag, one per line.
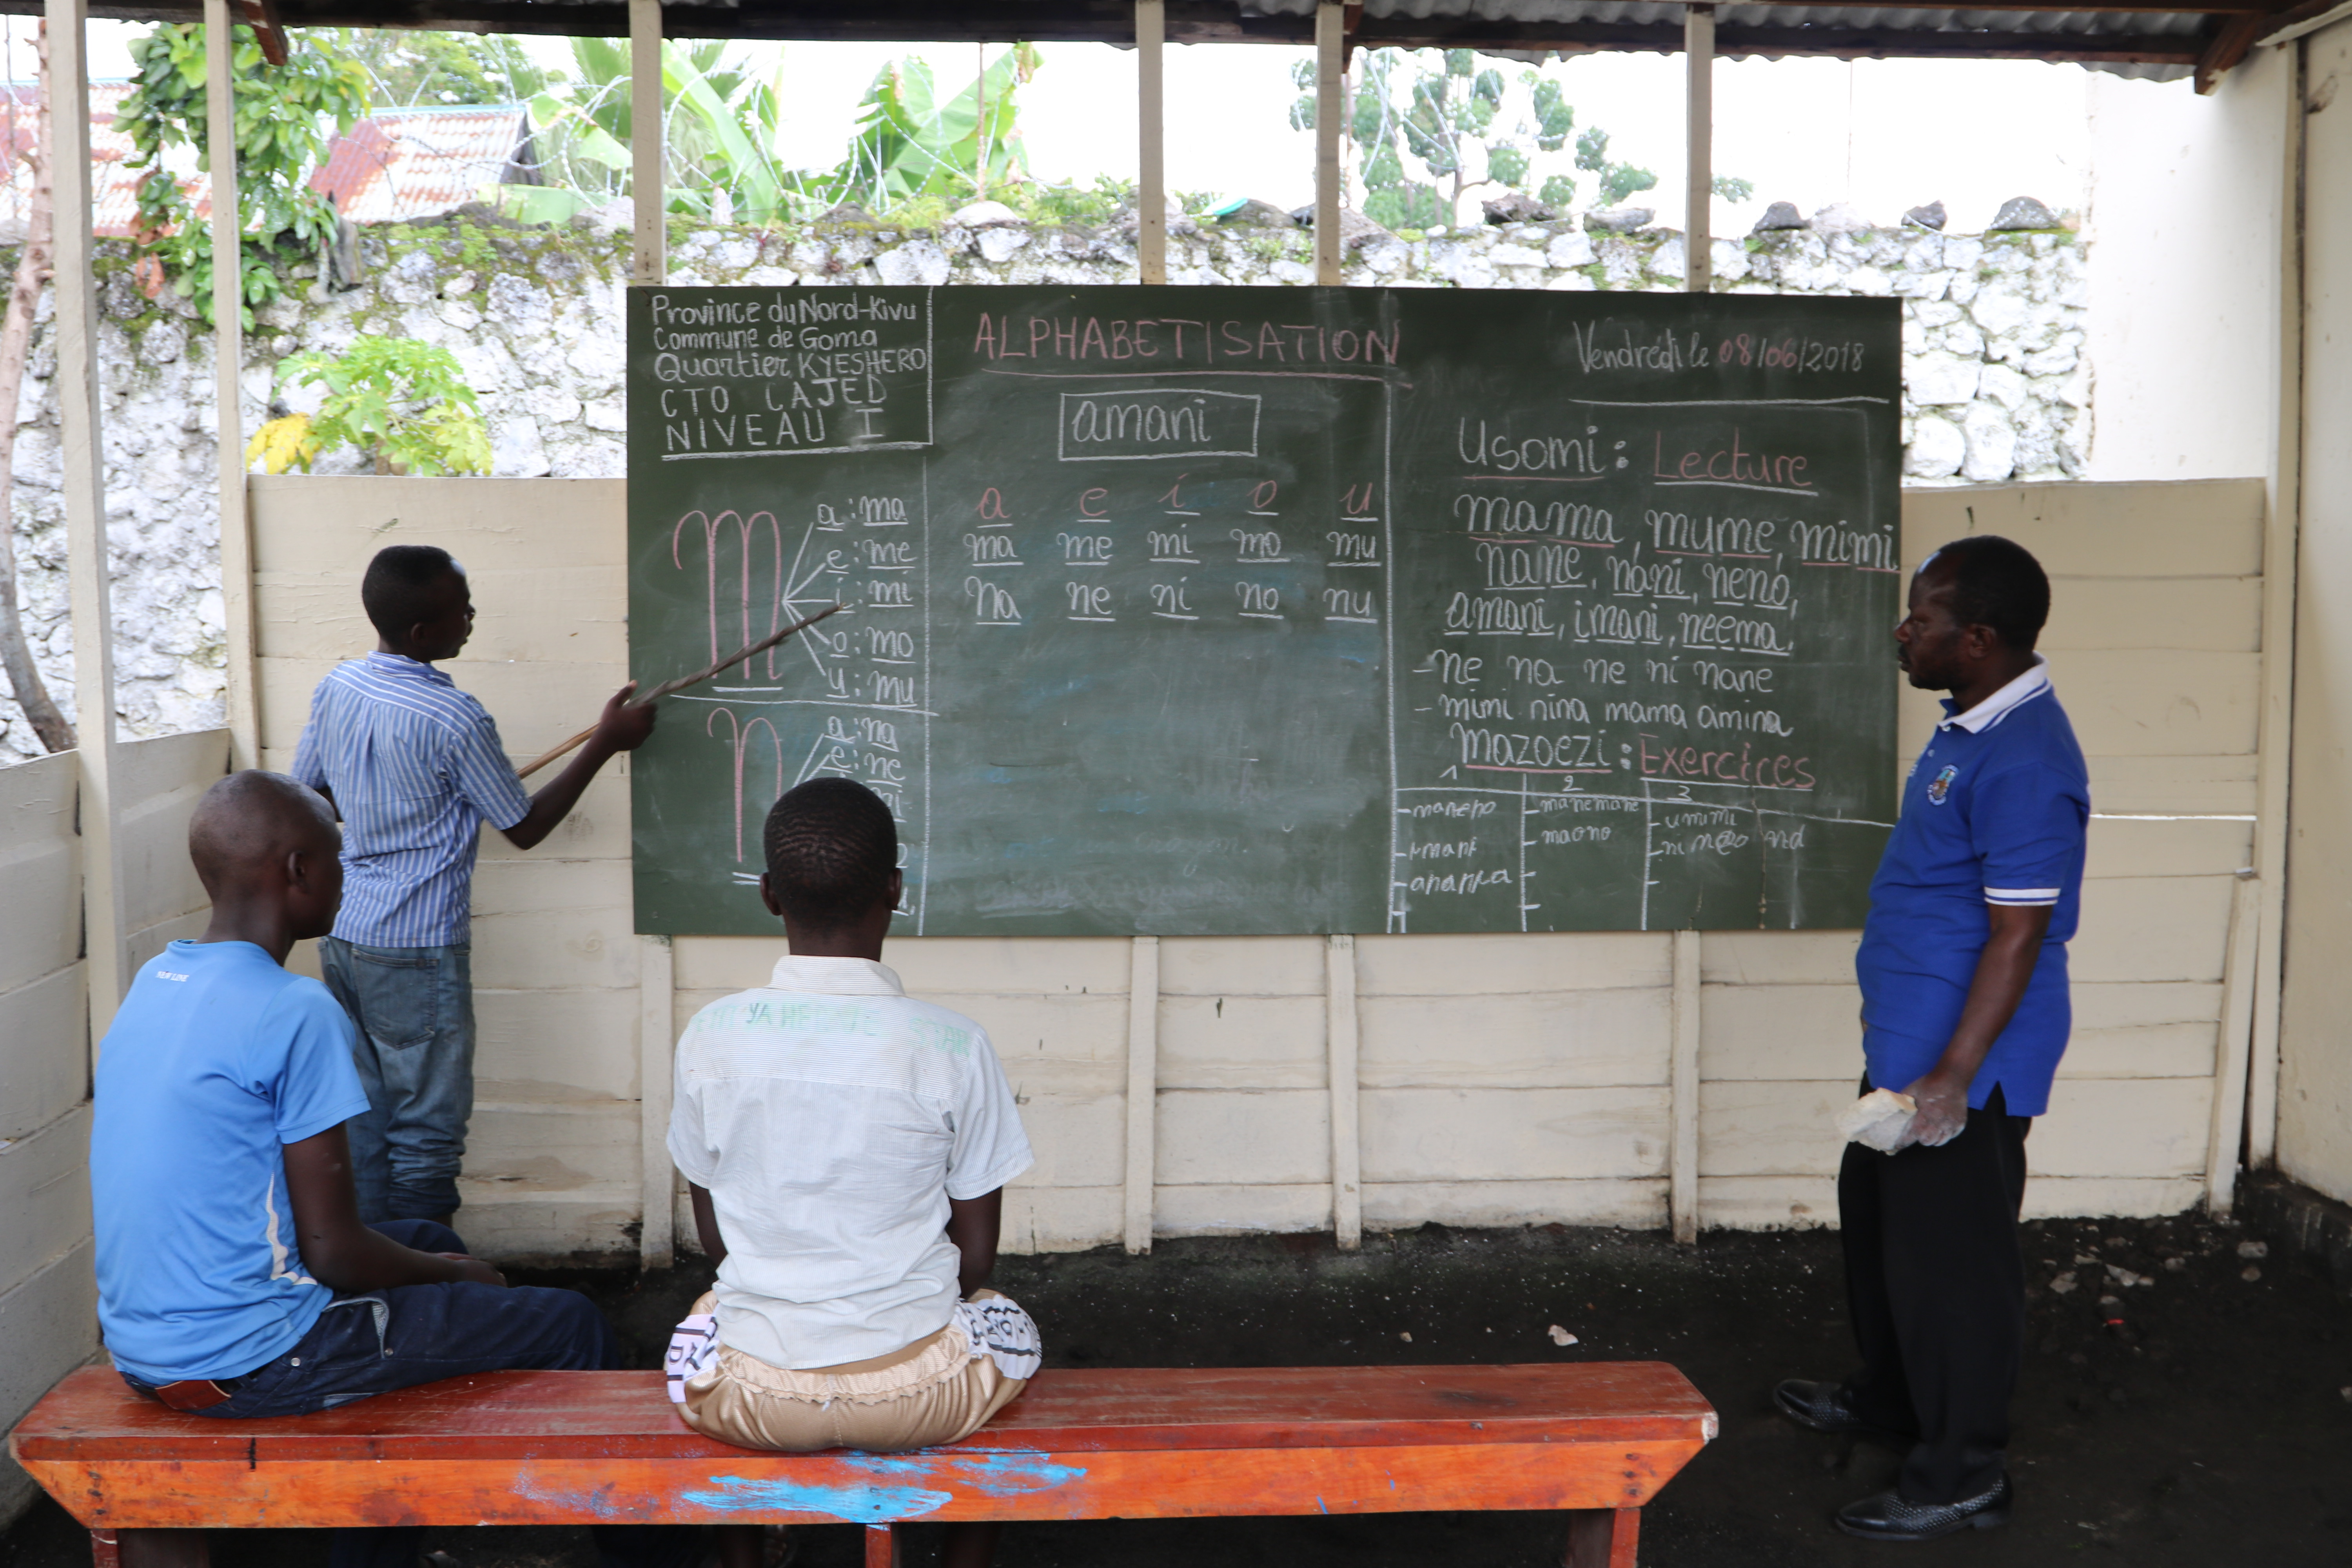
<point x="847" y="1148"/>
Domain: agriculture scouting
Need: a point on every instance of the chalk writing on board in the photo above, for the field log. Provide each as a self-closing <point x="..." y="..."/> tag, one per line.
<point x="1134" y="424"/>
<point x="1183" y="611"/>
<point x="779" y="373"/>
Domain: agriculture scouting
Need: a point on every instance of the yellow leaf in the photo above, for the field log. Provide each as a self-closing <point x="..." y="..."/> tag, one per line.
<point x="283" y="443"/>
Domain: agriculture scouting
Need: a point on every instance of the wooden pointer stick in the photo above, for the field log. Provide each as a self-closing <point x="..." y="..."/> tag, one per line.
<point x="680" y="684"/>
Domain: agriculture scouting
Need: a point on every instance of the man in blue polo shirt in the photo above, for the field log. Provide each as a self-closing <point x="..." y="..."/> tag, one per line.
<point x="1965" y="1008"/>
<point x="414" y="767"/>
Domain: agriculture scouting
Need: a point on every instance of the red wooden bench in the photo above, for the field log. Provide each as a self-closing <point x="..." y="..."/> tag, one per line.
<point x="1596" y="1439"/>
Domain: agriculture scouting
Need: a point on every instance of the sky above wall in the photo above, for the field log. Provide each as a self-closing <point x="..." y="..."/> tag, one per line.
<point x="1882" y="135"/>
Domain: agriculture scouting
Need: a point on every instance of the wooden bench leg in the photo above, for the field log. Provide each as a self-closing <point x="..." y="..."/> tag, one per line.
<point x="1603" y="1537"/>
<point x="881" y="1546"/>
<point x="103" y="1552"/>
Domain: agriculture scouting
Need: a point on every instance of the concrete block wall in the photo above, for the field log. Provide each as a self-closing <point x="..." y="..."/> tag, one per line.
<point x="1498" y="1079"/>
<point x="48" y="1300"/>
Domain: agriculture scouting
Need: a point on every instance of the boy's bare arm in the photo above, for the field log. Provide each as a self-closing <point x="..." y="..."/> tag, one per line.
<point x="340" y="1252"/>
<point x="620" y="727"/>
<point x="972" y="1225"/>
<point x="706" y="1225"/>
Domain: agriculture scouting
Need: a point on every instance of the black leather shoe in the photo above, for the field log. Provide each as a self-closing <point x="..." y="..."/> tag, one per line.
<point x="1888" y="1517"/>
<point x="1818" y="1406"/>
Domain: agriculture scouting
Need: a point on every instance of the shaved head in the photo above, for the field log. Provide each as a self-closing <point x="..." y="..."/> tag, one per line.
<point x="249" y="826"/>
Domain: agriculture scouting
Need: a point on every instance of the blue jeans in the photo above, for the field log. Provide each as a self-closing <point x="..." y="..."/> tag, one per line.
<point x="375" y="1341"/>
<point x="414" y="1010"/>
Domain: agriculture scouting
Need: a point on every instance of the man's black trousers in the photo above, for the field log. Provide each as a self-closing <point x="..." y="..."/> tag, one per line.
<point x="1937" y="1291"/>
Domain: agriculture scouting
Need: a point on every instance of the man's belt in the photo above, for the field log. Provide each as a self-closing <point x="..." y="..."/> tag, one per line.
<point x="193" y="1394"/>
<point x="197" y="1393"/>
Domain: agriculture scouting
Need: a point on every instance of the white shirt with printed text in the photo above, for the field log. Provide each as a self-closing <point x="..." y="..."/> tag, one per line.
<point x="832" y="1118"/>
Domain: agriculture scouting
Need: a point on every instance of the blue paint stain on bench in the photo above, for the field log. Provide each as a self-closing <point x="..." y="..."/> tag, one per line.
<point x="892" y="1489"/>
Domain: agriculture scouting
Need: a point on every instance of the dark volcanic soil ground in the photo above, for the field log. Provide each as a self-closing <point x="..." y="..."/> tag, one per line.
<point x="2214" y="1426"/>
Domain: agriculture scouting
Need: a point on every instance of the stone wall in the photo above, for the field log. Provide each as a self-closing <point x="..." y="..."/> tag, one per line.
<point x="1997" y="387"/>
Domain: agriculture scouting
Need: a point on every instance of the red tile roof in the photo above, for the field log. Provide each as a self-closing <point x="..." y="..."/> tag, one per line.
<point x="393" y="166"/>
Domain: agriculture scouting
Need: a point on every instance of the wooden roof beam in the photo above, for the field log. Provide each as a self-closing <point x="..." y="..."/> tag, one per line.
<point x="2227" y="45"/>
<point x="262" y="15"/>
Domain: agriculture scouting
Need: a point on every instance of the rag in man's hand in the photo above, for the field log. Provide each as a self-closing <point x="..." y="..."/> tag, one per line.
<point x="1879" y="1121"/>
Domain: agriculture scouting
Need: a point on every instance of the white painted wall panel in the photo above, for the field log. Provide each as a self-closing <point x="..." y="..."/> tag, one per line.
<point x="2314" y="1082"/>
<point x="1283" y="1209"/>
<point x="162" y="780"/>
<point x="2151" y="928"/>
<point x="1490" y="966"/>
<point x="1079" y="1143"/>
<point x="48" y="1326"/>
<point x="40" y="865"/>
<point x="554" y="1045"/>
<point x="1784" y="1128"/>
<point x="2123" y="1127"/>
<point x="2211" y="528"/>
<point x="1242" y="1042"/>
<point x="1553" y="1039"/>
<point x="1228" y="1138"/>
<point x="1511" y="1135"/>
<point x="44" y="1065"/>
<point x="1060" y="1219"/>
<point x="1241" y="966"/>
<point x="44" y="1192"/>
<point x="1637" y="1204"/>
<point x="1778" y="957"/>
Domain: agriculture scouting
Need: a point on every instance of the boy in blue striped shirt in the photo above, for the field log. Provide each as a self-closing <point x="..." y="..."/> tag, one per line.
<point x="413" y="767"/>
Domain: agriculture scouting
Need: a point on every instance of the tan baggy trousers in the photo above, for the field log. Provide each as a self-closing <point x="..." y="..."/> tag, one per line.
<point x="934" y="1391"/>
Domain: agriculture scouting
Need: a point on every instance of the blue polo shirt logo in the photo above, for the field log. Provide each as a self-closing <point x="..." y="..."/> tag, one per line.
<point x="1942" y="785"/>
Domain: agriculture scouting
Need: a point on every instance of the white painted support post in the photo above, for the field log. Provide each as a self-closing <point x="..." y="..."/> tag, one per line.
<point x="1340" y="1047"/>
<point x="649" y="263"/>
<point x="1330" y="49"/>
<point x="2275" y="725"/>
<point x="650" y="257"/>
<point x="84" y="486"/>
<point x="1699" y="194"/>
<point x="1151" y="183"/>
<point x="657" y="988"/>
<point x="228" y="359"/>
<point x="1681" y="1157"/>
<point x="1142" y="1086"/>
<point x="2230" y="1054"/>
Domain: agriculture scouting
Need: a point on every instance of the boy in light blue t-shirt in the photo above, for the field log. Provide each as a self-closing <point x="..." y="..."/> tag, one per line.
<point x="233" y="1275"/>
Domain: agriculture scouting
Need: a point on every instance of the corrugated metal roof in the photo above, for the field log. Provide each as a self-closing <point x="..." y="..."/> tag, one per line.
<point x="2176" y="27"/>
<point x="389" y="168"/>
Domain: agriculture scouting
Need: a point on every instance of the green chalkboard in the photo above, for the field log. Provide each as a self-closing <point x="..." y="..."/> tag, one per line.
<point x="1194" y="611"/>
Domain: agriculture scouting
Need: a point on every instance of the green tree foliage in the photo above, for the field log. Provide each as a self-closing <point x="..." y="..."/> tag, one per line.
<point x="285" y="116"/>
<point x="718" y="147"/>
<point x="1618" y="181"/>
<point x="406" y="403"/>
<point x="913" y="145"/>
<point x="410" y="67"/>
<point x="1429" y="127"/>
<point x="912" y="142"/>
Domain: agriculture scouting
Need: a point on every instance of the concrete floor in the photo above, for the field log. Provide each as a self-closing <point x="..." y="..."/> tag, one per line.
<point x="2212" y="1425"/>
